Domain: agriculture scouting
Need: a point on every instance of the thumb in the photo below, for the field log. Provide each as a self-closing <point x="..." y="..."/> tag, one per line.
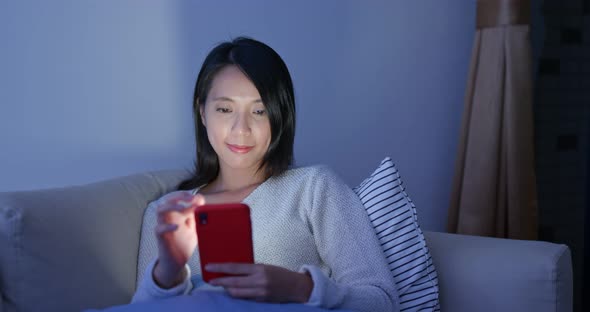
<point x="197" y="200"/>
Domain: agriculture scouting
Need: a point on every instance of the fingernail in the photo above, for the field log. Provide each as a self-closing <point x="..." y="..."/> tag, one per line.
<point x="184" y="204"/>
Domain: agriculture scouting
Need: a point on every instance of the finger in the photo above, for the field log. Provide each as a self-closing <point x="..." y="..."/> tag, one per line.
<point x="165" y="228"/>
<point x="175" y="195"/>
<point x="181" y="219"/>
<point x="184" y="203"/>
<point x="193" y="200"/>
<point x="247" y="281"/>
<point x="172" y="207"/>
<point x="232" y="268"/>
<point x="199" y="200"/>
<point x="169" y="213"/>
<point x="168" y="207"/>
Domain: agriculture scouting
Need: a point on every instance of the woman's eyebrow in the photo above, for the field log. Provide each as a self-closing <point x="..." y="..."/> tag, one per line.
<point x="222" y="98"/>
<point x="227" y="99"/>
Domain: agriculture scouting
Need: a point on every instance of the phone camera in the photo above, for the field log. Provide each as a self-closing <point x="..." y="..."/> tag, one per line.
<point x="203" y="218"/>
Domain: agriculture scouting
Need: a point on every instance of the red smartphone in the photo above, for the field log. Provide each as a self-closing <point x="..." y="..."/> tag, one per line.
<point x="224" y="233"/>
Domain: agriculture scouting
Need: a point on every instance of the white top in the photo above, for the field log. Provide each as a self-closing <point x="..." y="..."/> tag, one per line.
<point x="306" y="219"/>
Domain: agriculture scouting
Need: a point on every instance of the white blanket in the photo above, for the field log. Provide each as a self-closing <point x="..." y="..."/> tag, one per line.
<point x="205" y="301"/>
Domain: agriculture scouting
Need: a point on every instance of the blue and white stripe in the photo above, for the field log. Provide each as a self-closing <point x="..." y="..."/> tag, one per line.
<point x="395" y="221"/>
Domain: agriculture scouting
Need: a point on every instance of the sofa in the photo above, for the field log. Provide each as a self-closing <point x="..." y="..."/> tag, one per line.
<point x="76" y="248"/>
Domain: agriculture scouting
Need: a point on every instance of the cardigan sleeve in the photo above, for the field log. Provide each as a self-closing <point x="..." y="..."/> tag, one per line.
<point x="149" y="290"/>
<point x="359" y="278"/>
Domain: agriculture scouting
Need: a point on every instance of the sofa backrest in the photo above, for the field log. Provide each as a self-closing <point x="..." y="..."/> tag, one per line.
<point x="74" y="248"/>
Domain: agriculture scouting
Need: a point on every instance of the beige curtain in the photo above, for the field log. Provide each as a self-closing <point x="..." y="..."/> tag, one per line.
<point x="494" y="190"/>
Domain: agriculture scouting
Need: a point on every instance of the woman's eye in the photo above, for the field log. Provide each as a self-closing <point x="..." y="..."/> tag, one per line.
<point x="223" y="110"/>
<point x="260" y="112"/>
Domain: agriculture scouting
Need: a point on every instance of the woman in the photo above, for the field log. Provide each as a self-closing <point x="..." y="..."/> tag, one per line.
<point x="313" y="242"/>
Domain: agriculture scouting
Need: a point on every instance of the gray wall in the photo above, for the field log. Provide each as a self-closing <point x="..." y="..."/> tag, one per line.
<point x="92" y="90"/>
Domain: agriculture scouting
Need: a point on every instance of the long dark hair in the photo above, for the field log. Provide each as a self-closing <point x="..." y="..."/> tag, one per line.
<point x="269" y="74"/>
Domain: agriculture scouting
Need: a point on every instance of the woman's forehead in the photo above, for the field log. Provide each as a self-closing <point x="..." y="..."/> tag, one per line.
<point x="231" y="84"/>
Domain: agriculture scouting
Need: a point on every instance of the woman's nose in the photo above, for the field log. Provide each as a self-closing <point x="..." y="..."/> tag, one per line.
<point x="242" y="124"/>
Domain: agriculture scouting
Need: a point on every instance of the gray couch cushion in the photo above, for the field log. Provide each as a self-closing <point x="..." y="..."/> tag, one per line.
<point x="492" y="274"/>
<point x="51" y="240"/>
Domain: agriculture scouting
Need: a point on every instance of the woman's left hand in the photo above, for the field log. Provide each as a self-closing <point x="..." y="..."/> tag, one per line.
<point x="262" y="282"/>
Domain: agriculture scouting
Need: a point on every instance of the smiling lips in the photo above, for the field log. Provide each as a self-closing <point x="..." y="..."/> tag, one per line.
<point x="240" y="149"/>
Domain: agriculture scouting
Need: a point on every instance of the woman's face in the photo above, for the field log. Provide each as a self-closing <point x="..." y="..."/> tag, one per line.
<point x="236" y="120"/>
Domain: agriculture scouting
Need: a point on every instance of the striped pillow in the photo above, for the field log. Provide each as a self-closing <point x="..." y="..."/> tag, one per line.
<point x="394" y="218"/>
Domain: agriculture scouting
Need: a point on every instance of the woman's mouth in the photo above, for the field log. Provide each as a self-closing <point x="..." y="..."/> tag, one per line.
<point x="240" y="149"/>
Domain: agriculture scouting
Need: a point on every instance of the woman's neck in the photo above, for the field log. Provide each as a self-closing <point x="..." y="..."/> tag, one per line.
<point x="236" y="180"/>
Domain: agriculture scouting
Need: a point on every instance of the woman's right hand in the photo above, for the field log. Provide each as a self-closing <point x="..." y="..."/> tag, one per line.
<point x="177" y="236"/>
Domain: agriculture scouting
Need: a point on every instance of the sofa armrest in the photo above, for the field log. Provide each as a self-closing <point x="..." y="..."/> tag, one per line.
<point x="73" y="248"/>
<point x="492" y="274"/>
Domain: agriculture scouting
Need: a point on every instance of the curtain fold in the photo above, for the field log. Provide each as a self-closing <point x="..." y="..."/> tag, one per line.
<point x="494" y="187"/>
